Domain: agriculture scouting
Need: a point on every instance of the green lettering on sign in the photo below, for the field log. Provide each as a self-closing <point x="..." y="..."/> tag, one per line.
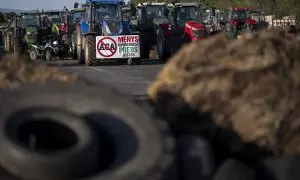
<point x="127" y="49"/>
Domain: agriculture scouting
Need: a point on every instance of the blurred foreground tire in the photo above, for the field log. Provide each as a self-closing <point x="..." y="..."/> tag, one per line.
<point x="234" y="170"/>
<point x="132" y="145"/>
<point x="46" y="143"/>
<point x="279" y="168"/>
<point x="195" y="157"/>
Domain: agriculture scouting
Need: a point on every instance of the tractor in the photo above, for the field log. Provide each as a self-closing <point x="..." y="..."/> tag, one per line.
<point x="104" y="35"/>
<point x="259" y="17"/>
<point x="75" y="17"/>
<point x="59" y="24"/>
<point x="239" y="22"/>
<point x="214" y="19"/>
<point x="184" y="26"/>
<point x="31" y="22"/>
<point x="14" y="36"/>
<point x="149" y="18"/>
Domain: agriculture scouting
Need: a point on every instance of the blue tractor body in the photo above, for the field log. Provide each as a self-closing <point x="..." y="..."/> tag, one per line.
<point x="103" y="18"/>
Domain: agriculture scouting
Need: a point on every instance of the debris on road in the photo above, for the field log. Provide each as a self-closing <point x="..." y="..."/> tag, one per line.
<point x="16" y="70"/>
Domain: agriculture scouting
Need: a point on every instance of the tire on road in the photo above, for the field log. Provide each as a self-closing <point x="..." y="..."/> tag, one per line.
<point x="73" y="46"/>
<point x="5" y="41"/>
<point x="134" y="61"/>
<point x="135" y="146"/>
<point x="48" y="55"/>
<point x="33" y="54"/>
<point x="162" y="52"/>
<point x="80" y="57"/>
<point x="19" y="48"/>
<point x="90" y="50"/>
<point x="46" y="143"/>
<point x="9" y="43"/>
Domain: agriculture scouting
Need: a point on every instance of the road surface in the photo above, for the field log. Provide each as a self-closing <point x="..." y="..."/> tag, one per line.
<point x="129" y="79"/>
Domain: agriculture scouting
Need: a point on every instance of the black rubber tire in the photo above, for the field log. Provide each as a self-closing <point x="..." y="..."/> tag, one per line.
<point x="145" y="46"/>
<point x="70" y="153"/>
<point x="48" y="55"/>
<point x="195" y="157"/>
<point x="141" y="146"/>
<point x="19" y="48"/>
<point x="234" y="170"/>
<point x="4" y="41"/>
<point x="279" y="168"/>
<point x="73" y="46"/>
<point x="33" y="54"/>
<point x="79" y="53"/>
<point x="134" y="61"/>
<point x="162" y="52"/>
<point x="9" y="43"/>
<point x="90" y="51"/>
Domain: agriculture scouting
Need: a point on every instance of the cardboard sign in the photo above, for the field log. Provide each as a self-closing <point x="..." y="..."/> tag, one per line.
<point x="115" y="47"/>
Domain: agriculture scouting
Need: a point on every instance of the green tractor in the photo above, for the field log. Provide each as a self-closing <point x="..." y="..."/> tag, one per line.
<point x="31" y="23"/>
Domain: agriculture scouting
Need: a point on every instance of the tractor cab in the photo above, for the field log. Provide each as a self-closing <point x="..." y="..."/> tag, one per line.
<point x="76" y="15"/>
<point x="187" y="21"/>
<point x="104" y="17"/>
<point x="238" y="18"/>
<point x="151" y="13"/>
<point x="58" y="20"/>
<point x="31" y="22"/>
<point x="185" y="25"/>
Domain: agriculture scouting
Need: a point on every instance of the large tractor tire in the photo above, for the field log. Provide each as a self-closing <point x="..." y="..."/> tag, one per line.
<point x="162" y="51"/>
<point x="73" y="46"/>
<point x="4" y="41"/>
<point x="18" y="46"/>
<point x="80" y="57"/>
<point x="9" y="43"/>
<point x="90" y="50"/>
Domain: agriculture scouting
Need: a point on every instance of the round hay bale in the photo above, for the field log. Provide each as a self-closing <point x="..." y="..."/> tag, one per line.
<point x="249" y="86"/>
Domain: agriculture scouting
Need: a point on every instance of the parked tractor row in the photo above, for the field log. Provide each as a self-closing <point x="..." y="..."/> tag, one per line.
<point x="101" y="30"/>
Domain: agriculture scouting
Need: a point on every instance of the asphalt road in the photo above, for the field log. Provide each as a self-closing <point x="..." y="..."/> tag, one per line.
<point x="129" y="79"/>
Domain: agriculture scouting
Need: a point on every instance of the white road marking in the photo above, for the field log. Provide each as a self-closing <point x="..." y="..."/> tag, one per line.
<point x="96" y="69"/>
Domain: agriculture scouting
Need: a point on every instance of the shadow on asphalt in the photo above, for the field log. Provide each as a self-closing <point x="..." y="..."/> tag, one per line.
<point x="72" y="63"/>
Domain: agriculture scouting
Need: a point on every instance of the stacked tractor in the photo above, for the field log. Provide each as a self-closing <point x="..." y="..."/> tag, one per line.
<point x="214" y="19"/>
<point x="239" y="22"/>
<point x="104" y="35"/>
<point x="166" y="27"/>
<point x="184" y="25"/>
<point x="150" y="16"/>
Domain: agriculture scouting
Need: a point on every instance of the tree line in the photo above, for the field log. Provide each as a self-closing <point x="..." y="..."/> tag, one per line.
<point x="278" y="8"/>
<point x="5" y="16"/>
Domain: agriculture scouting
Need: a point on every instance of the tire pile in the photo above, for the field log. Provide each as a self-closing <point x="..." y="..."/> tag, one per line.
<point x="57" y="126"/>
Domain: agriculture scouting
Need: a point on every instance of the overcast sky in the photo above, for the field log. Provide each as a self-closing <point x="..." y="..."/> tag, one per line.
<point x="34" y="4"/>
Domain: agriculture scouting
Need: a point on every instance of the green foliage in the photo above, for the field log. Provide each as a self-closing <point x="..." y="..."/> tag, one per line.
<point x="275" y="7"/>
<point x="4" y="17"/>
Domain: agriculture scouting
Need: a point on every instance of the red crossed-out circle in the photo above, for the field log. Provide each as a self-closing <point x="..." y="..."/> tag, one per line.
<point x="112" y="52"/>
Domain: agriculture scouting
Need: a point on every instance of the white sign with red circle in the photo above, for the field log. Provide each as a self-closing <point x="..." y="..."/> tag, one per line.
<point x="109" y="47"/>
